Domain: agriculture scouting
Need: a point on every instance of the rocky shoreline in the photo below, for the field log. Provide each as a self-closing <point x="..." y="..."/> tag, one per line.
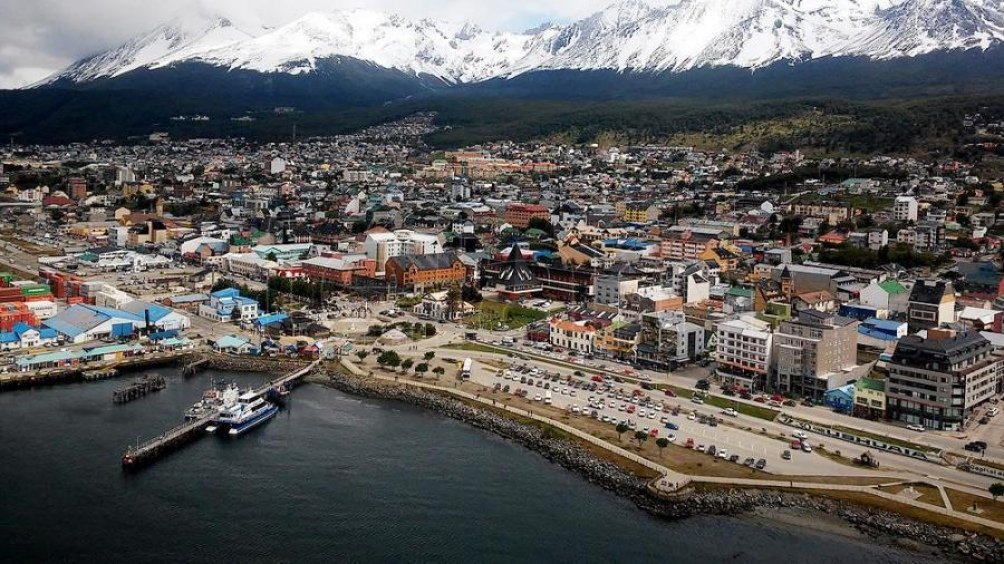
<point x="881" y="525"/>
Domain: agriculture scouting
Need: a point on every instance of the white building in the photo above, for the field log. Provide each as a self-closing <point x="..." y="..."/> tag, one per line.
<point x="249" y="265"/>
<point x="383" y="246"/>
<point x="277" y="166"/>
<point x="744" y="352"/>
<point x="573" y="335"/>
<point x="611" y="289"/>
<point x="877" y="239"/>
<point x="905" y="209"/>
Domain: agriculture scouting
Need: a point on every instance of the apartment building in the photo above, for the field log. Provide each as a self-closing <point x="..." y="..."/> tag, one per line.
<point x="668" y="339"/>
<point x="744" y="353"/>
<point x="931" y="304"/>
<point x="905" y="208"/>
<point x="937" y="382"/>
<point x="519" y="215"/>
<point x="382" y="246"/>
<point x="814" y="353"/>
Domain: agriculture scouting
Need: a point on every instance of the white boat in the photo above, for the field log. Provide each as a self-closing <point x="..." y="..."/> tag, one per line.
<point x="250" y="411"/>
<point x="211" y="429"/>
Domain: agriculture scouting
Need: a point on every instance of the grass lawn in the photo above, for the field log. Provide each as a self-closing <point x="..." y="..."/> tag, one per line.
<point x="962" y="501"/>
<point x="764" y="413"/>
<point x="869" y="203"/>
<point x="888" y="440"/>
<point x="928" y="493"/>
<point x="501" y="316"/>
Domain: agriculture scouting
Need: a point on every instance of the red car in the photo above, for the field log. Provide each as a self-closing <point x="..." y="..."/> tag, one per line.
<point x="690" y="443"/>
<point x="653" y="433"/>
<point x="760" y="399"/>
<point x="597" y="378"/>
<point x="670" y="393"/>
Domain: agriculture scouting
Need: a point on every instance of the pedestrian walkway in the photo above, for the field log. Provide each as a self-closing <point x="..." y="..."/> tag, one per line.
<point x="671" y="480"/>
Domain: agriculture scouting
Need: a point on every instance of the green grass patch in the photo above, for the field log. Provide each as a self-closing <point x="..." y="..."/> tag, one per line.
<point x="883" y="438"/>
<point x="681" y="392"/>
<point x="764" y="413"/>
<point x="500" y="316"/>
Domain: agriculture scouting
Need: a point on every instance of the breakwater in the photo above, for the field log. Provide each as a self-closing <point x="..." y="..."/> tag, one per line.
<point x="229" y="363"/>
<point x="880" y="524"/>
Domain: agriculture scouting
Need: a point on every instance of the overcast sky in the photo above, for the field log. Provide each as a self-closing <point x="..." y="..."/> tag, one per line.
<point x="39" y="37"/>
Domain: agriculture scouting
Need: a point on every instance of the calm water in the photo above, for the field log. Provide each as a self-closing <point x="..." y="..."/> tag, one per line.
<point x="332" y="478"/>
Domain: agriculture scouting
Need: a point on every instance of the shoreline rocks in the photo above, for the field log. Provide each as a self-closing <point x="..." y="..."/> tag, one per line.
<point x="882" y="526"/>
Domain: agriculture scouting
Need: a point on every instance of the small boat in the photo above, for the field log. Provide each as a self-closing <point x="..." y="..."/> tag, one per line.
<point x="211" y="429"/>
<point x="212" y="401"/>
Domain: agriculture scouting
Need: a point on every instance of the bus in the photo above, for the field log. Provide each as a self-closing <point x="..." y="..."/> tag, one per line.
<point x="465" y="369"/>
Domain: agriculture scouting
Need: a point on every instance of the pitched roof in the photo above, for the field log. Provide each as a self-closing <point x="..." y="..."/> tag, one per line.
<point x="435" y="261"/>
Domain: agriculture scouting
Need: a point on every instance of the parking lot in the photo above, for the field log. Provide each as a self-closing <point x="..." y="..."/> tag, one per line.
<point x="680" y="421"/>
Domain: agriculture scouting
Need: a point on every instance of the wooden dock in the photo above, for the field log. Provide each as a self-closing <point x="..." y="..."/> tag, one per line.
<point x="148" y="452"/>
<point x="139" y="388"/>
<point x="192" y="367"/>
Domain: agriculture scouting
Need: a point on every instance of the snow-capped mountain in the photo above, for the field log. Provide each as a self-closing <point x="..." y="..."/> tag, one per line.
<point x="178" y="40"/>
<point x="631" y="36"/>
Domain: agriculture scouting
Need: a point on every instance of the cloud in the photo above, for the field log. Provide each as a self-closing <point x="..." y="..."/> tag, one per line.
<point x="43" y="36"/>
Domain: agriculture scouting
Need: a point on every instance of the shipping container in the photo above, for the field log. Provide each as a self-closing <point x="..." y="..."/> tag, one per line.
<point x="38" y="298"/>
<point x="75" y="300"/>
<point x="35" y="290"/>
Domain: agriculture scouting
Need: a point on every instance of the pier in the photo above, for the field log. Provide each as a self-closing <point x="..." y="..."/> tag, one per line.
<point x="192" y="367"/>
<point x="139" y="388"/>
<point x="148" y="452"/>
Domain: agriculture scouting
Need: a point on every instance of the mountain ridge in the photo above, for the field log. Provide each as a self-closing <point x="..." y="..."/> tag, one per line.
<point x="629" y="36"/>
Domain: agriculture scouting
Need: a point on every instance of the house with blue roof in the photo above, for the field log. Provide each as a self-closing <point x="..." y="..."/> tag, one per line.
<point x="24" y="336"/>
<point x="229" y="305"/>
<point x="232" y="344"/>
<point x="840" y="399"/>
<point x="269" y="319"/>
<point x="880" y="332"/>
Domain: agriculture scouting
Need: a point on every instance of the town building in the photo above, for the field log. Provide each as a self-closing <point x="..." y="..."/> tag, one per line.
<point x="229" y="305"/>
<point x="932" y="303"/>
<point x="519" y="215"/>
<point x="940" y="380"/>
<point x="382" y="246"/>
<point x="577" y="336"/>
<point x="743" y="356"/>
<point x="420" y="273"/>
<point x="905" y="208"/>
<point x="814" y="353"/>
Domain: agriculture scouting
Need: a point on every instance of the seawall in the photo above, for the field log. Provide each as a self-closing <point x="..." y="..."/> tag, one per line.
<point x="883" y="525"/>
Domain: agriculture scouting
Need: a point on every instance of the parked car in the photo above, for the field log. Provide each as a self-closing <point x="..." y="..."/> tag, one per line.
<point x="761" y="464"/>
<point x="749" y="462"/>
<point x="730" y="412"/>
<point x="806" y="447"/>
<point x="915" y="427"/>
<point x="786" y="455"/>
<point x="672" y="426"/>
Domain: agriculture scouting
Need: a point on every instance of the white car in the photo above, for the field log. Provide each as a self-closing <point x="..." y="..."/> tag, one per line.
<point x="538" y="398"/>
<point x="641" y="413"/>
<point x="691" y="417"/>
<point x="671" y="437"/>
<point x="730" y="412"/>
<point x="722" y="453"/>
<point x="800" y="435"/>
<point x="915" y="427"/>
<point x="651" y="415"/>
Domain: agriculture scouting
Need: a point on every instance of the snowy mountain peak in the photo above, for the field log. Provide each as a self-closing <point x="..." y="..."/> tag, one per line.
<point x="631" y="35"/>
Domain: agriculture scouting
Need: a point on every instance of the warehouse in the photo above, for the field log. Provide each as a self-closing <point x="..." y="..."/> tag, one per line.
<point x="81" y="323"/>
